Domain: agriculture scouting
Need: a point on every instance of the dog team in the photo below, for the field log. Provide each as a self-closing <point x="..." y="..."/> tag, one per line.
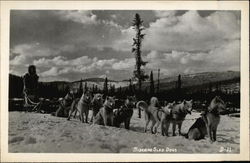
<point x="106" y="112"/>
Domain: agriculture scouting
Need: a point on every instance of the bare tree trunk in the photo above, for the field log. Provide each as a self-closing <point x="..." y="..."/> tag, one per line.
<point x="139" y="93"/>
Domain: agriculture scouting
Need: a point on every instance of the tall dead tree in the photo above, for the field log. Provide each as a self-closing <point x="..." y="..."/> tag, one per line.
<point x="139" y="74"/>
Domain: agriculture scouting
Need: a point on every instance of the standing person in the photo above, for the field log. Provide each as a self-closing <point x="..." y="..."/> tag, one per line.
<point x="30" y="82"/>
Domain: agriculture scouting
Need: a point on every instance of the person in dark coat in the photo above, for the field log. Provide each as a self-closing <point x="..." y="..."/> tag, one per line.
<point x="30" y="82"/>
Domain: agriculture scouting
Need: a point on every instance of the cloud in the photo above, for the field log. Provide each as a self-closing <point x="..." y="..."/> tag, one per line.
<point x="19" y="60"/>
<point x="51" y="72"/>
<point x="191" y="32"/>
<point x="186" y="32"/>
<point x="126" y="64"/>
<point x="222" y="58"/>
<point x="62" y="61"/>
<point x="79" y="16"/>
<point x="69" y="45"/>
<point x="61" y="66"/>
<point x="33" y="49"/>
<point x="125" y="40"/>
<point x="161" y="13"/>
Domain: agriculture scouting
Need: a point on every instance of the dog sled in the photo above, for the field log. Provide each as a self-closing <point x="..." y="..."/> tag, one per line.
<point x="31" y="102"/>
<point x="40" y="105"/>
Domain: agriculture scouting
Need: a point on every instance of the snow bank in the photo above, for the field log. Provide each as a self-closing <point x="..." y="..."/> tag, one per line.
<point x="33" y="132"/>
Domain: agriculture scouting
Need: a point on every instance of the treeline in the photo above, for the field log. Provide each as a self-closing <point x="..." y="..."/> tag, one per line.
<point x="203" y="92"/>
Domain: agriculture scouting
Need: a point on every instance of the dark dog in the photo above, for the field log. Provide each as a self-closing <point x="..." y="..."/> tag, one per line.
<point x="124" y="113"/>
<point x="208" y="122"/>
<point x="198" y="130"/>
<point x="64" y="105"/>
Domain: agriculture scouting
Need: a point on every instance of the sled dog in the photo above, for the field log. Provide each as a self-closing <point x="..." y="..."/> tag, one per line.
<point x="125" y="112"/>
<point x="208" y="122"/>
<point x="105" y="115"/>
<point x="96" y="104"/>
<point x="178" y="115"/>
<point x="82" y="106"/>
<point x="149" y="110"/>
<point x="64" y="105"/>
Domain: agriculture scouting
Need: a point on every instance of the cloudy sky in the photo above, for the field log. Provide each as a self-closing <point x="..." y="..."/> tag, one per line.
<point x="69" y="45"/>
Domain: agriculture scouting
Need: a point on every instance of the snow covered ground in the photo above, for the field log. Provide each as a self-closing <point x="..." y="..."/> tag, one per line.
<point x="34" y="132"/>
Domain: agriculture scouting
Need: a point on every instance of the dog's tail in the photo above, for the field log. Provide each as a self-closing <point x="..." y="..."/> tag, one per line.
<point x="142" y="105"/>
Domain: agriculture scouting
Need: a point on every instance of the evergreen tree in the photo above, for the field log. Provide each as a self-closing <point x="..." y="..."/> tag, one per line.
<point x="93" y="88"/>
<point x="152" y="88"/>
<point x="120" y="90"/>
<point x="67" y="89"/>
<point x="80" y="91"/>
<point x="136" y="49"/>
<point x="179" y="87"/>
<point x="86" y="87"/>
<point x="130" y="87"/>
<point x="105" y="87"/>
<point x="158" y="83"/>
<point x="111" y="89"/>
<point x="179" y="82"/>
<point x="210" y="87"/>
<point x="96" y="89"/>
<point x="139" y="74"/>
<point x="134" y="89"/>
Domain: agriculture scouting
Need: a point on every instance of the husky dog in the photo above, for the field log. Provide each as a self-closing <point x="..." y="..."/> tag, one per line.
<point x="166" y="112"/>
<point x="82" y="106"/>
<point x="105" y="115"/>
<point x="96" y="104"/>
<point x="178" y="115"/>
<point x="125" y="112"/>
<point x="208" y="122"/>
<point x="212" y="116"/>
<point x="159" y="117"/>
<point x="149" y="111"/>
<point x="64" y="105"/>
<point x="198" y="130"/>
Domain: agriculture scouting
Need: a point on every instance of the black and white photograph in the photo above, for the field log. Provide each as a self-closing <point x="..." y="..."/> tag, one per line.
<point x="132" y="81"/>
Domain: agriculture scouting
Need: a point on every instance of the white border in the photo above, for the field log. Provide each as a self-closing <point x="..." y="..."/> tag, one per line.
<point x="125" y="5"/>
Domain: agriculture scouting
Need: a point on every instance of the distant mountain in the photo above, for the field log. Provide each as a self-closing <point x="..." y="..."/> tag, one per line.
<point x="99" y="82"/>
<point x="198" y="79"/>
<point x="90" y="80"/>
